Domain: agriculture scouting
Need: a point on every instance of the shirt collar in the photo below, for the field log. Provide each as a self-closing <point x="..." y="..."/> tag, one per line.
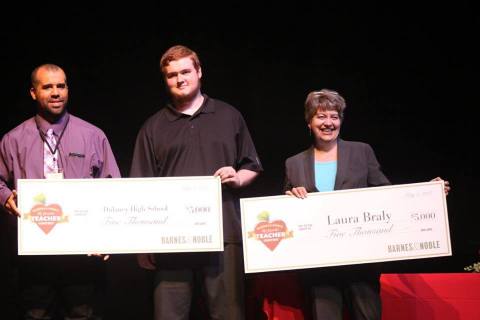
<point x="206" y="107"/>
<point x="58" y="126"/>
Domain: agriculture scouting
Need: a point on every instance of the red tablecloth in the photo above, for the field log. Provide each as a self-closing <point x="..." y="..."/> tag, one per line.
<point x="436" y="296"/>
<point x="280" y="295"/>
<point x="439" y="296"/>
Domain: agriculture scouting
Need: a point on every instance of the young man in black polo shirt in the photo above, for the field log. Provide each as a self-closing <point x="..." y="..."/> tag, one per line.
<point x="196" y="135"/>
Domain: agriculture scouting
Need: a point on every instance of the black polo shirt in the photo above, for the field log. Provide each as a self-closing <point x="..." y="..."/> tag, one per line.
<point x="175" y="144"/>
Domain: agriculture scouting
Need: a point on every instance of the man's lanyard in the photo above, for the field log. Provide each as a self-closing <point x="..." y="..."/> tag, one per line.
<point x="42" y="135"/>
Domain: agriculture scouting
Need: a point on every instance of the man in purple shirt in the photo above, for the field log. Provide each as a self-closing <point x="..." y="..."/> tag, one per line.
<point x="81" y="150"/>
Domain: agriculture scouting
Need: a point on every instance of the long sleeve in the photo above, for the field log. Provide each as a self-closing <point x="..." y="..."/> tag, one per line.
<point x="375" y="175"/>
<point x="5" y="171"/>
<point x="287" y="183"/>
<point x="108" y="167"/>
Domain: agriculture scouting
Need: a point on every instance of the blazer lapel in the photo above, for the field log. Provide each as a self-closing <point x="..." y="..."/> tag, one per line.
<point x="343" y="158"/>
<point x="309" y="165"/>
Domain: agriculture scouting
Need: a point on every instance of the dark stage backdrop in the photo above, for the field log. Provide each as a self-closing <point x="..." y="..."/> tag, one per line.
<point x="405" y="70"/>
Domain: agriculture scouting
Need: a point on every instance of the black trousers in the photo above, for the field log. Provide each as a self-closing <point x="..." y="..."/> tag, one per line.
<point x="54" y="287"/>
<point x="353" y="288"/>
<point x="218" y="276"/>
<point x="9" y="304"/>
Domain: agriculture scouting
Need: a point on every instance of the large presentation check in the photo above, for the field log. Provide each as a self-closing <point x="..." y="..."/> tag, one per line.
<point x="400" y="222"/>
<point x="133" y="215"/>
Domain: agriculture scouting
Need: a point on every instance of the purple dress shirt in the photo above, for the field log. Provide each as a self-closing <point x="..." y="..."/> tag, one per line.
<point x="84" y="152"/>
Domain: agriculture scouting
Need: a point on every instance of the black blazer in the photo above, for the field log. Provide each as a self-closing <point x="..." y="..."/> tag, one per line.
<point x="357" y="167"/>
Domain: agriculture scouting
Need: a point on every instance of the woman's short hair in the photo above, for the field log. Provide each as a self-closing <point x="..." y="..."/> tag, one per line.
<point x="324" y="100"/>
<point x="176" y="53"/>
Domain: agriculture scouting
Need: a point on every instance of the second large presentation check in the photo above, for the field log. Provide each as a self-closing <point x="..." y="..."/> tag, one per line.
<point x="135" y="215"/>
<point x="344" y="227"/>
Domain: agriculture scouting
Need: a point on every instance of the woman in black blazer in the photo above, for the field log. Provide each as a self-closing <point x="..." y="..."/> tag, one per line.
<point x="334" y="164"/>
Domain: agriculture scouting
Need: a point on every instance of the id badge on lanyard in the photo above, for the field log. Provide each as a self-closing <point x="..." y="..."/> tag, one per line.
<point x="55" y="175"/>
